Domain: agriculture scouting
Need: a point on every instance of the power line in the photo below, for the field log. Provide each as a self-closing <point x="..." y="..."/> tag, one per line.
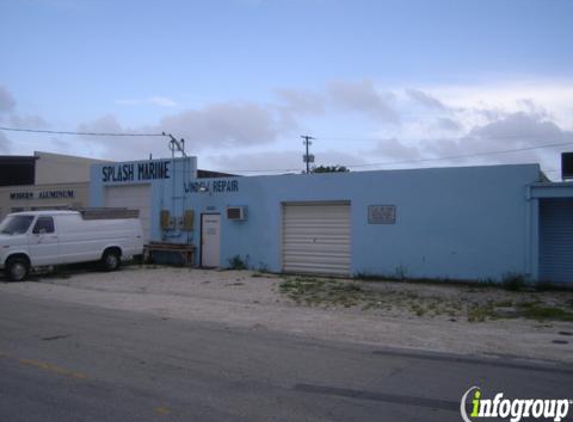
<point x="421" y="160"/>
<point x="61" y="132"/>
<point x="476" y="154"/>
<point x="307" y="142"/>
<point x="463" y="138"/>
<point x="331" y="138"/>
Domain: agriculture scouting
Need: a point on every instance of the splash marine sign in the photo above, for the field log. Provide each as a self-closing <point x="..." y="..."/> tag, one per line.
<point x="135" y="172"/>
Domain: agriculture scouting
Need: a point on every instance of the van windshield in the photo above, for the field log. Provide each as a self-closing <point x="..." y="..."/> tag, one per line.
<point x="16" y="224"/>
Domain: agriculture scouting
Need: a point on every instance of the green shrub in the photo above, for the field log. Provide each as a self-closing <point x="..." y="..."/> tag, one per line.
<point x="237" y="263"/>
<point x="514" y="282"/>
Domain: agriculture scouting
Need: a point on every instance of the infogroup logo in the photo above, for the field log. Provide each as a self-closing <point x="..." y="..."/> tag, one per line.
<point x="514" y="409"/>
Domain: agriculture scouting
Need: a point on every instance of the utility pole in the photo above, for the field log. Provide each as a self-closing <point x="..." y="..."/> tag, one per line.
<point x="174" y="145"/>
<point x="307" y="158"/>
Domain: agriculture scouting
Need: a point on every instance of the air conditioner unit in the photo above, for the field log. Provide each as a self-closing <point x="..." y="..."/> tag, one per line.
<point x="237" y="213"/>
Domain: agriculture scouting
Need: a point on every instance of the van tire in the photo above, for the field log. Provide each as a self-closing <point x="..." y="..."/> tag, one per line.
<point x="111" y="260"/>
<point x="17" y="269"/>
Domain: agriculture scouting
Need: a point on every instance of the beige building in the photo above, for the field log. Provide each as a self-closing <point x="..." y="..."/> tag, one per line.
<point x="58" y="168"/>
<point x="60" y="182"/>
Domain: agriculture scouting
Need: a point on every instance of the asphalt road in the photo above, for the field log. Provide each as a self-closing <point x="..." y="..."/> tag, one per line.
<point x="62" y="362"/>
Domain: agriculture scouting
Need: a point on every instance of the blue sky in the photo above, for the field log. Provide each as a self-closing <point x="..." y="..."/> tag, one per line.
<point x="380" y="84"/>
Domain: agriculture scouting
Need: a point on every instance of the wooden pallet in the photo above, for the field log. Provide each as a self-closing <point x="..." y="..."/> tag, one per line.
<point x="185" y="251"/>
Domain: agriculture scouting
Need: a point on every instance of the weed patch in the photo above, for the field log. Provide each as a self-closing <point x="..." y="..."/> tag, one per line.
<point x="481" y="313"/>
<point x="540" y="312"/>
<point x="405" y="298"/>
<point x="317" y="291"/>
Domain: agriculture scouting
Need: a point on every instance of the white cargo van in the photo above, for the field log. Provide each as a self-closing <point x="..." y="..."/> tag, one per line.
<point x="45" y="238"/>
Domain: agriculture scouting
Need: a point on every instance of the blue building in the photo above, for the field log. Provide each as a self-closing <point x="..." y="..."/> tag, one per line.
<point x="469" y="223"/>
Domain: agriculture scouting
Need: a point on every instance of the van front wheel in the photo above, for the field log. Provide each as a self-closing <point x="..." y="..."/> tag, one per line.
<point x="17" y="269"/>
<point x="111" y="260"/>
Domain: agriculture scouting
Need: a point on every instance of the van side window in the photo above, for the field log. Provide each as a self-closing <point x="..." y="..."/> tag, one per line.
<point x="44" y="225"/>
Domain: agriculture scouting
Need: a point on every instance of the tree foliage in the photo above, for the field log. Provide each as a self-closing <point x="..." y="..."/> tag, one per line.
<point x="329" y="169"/>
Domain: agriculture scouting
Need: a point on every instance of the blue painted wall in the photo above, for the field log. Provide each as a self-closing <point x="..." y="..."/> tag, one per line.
<point x="167" y="189"/>
<point x="460" y="223"/>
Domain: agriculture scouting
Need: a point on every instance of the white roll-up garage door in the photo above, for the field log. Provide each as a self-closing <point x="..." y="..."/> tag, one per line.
<point x="136" y="197"/>
<point x="556" y="240"/>
<point x="316" y="238"/>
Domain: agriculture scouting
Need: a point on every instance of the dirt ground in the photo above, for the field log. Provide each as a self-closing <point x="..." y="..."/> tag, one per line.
<point x="446" y="318"/>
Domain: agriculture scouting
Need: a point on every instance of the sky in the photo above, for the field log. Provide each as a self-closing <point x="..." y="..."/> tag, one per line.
<point x="379" y="84"/>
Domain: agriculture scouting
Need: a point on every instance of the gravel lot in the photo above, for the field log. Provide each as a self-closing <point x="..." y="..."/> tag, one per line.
<point x="459" y="319"/>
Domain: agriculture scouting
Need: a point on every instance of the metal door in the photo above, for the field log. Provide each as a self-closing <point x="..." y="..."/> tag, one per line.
<point x="316" y="238"/>
<point x="210" y="240"/>
<point x="556" y="240"/>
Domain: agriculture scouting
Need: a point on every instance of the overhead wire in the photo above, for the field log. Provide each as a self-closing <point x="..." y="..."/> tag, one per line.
<point x="476" y="154"/>
<point x="62" y="132"/>
<point x="332" y="138"/>
<point x="387" y="138"/>
<point x="362" y="165"/>
<point x="421" y="160"/>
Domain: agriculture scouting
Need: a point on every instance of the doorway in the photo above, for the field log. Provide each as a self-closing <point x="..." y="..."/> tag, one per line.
<point x="210" y="240"/>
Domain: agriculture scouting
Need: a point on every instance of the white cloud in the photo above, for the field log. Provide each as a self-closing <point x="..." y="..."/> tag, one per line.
<point x="162" y="102"/>
<point x="481" y="119"/>
<point x="112" y="147"/>
<point x="8" y="113"/>
<point x="301" y="102"/>
<point x="448" y="124"/>
<point x="222" y="125"/>
<point x="155" y="101"/>
<point x="263" y="161"/>
<point x="363" y="97"/>
<point x="62" y="145"/>
<point x="5" y="143"/>
<point x="27" y="121"/>
<point x="463" y="127"/>
<point x="105" y="124"/>
<point x="7" y="101"/>
<point x="276" y="162"/>
<point x="331" y="158"/>
<point x="505" y="97"/>
<point x="295" y="104"/>
<point x="514" y="138"/>
<point x="426" y="100"/>
<point x="393" y="149"/>
<point x="520" y="128"/>
<point x="413" y="125"/>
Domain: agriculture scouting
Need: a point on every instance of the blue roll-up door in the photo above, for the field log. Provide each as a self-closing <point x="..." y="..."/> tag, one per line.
<point x="556" y="240"/>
